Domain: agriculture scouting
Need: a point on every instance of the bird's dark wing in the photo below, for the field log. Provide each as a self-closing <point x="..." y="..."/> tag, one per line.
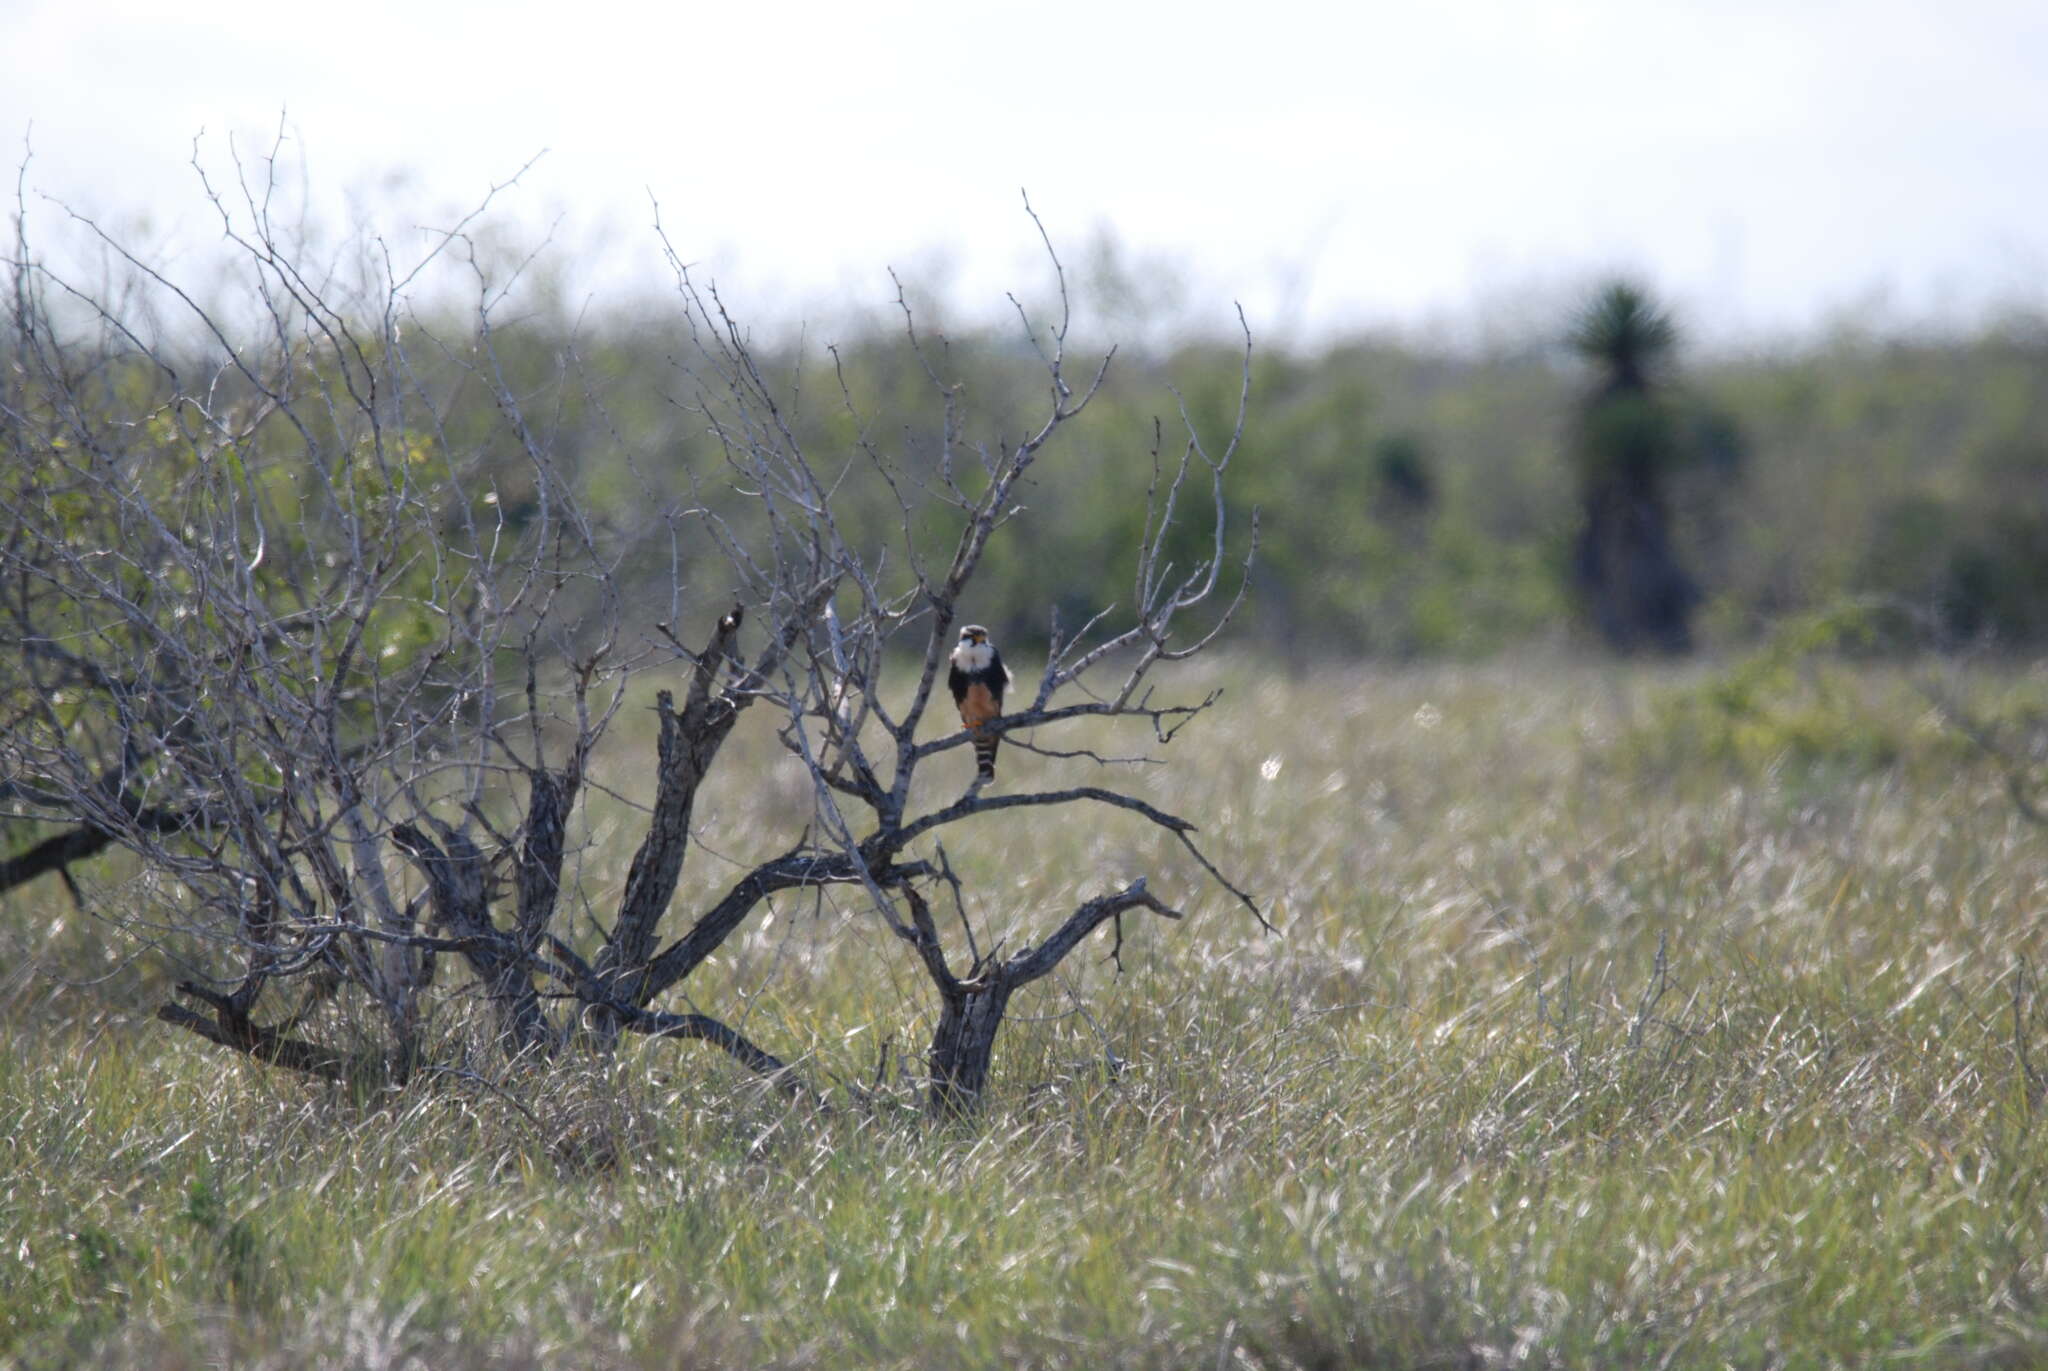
<point x="997" y="676"/>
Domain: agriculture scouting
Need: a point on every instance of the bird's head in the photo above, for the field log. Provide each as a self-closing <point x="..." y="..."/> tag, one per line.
<point x="974" y="635"/>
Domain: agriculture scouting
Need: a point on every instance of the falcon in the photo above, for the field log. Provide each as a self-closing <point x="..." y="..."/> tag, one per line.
<point x="978" y="680"/>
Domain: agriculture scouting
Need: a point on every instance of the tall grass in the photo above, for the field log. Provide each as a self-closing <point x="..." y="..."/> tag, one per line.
<point x="1576" y="1050"/>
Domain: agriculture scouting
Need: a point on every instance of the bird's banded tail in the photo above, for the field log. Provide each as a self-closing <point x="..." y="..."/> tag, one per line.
<point x="985" y="755"/>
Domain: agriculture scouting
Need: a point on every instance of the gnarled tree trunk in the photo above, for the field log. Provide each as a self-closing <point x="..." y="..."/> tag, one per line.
<point x="965" y="1042"/>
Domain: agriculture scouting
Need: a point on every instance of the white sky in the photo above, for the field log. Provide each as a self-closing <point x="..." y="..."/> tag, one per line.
<point x="1768" y="163"/>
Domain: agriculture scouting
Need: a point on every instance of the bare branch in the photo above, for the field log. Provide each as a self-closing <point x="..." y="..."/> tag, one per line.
<point x="263" y="1045"/>
<point x="1029" y="965"/>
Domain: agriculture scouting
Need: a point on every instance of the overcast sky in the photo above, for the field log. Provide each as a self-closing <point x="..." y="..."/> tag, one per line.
<point x="1770" y="165"/>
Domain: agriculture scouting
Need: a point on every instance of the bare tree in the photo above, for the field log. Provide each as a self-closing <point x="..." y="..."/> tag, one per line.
<point x="275" y="629"/>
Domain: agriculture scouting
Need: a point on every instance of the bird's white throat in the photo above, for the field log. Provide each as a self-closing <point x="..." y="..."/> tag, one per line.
<point x="973" y="656"/>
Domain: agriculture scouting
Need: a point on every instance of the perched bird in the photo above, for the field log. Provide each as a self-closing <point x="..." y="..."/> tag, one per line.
<point x="978" y="679"/>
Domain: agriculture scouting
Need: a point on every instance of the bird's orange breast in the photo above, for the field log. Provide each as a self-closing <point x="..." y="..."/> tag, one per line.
<point x="978" y="706"/>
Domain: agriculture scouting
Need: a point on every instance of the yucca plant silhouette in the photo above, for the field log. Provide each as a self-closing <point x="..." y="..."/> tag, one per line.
<point x="1629" y="440"/>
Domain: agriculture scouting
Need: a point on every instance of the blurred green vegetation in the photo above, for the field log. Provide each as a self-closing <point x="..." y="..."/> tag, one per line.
<point x="1798" y="707"/>
<point x="1411" y="502"/>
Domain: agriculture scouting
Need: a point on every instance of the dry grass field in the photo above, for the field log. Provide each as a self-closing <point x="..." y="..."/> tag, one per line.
<point x="1600" y="1031"/>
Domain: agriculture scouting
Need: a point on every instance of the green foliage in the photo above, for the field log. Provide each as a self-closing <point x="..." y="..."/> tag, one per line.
<point x="1796" y="702"/>
<point x="1976" y="560"/>
<point x="1905" y="469"/>
<point x="1624" y="332"/>
<point x="1401" y="465"/>
<point x="1412" y="501"/>
<point x="1630" y="431"/>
